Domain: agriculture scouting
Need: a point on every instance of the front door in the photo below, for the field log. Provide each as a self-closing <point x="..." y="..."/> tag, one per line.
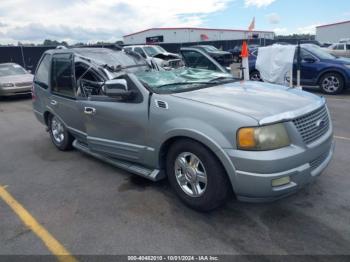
<point x="117" y="128"/>
<point x="63" y="100"/>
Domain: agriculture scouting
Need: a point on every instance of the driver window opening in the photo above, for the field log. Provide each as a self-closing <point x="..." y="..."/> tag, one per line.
<point x="88" y="81"/>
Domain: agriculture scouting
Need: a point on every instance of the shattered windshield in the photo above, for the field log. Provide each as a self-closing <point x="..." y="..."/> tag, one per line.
<point x="160" y="49"/>
<point x="151" y="51"/>
<point x="182" y="79"/>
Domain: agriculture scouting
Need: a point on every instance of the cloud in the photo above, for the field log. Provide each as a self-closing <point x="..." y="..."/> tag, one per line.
<point x="281" y="31"/>
<point x="258" y="3"/>
<point x="273" y="18"/>
<point x="95" y="20"/>
<point x="310" y="29"/>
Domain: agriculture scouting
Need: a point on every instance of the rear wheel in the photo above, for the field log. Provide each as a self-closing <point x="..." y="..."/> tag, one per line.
<point x="196" y="175"/>
<point x="59" y="134"/>
<point x="332" y="83"/>
<point x="255" y="76"/>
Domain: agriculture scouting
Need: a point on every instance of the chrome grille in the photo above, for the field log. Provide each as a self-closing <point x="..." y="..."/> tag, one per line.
<point x="22" y="84"/>
<point x="313" y="125"/>
<point x="318" y="161"/>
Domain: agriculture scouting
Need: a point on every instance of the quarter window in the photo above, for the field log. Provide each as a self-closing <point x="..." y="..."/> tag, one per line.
<point x="62" y="80"/>
<point x="42" y="73"/>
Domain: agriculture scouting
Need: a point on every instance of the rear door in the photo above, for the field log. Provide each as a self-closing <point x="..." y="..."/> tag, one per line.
<point x="62" y="101"/>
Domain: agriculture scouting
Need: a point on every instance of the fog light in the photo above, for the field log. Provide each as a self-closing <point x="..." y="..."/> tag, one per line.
<point x="281" y="181"/>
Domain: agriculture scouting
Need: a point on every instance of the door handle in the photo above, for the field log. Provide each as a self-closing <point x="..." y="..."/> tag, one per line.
<point x="53" y="102"/>
<point x="89" y="110"/>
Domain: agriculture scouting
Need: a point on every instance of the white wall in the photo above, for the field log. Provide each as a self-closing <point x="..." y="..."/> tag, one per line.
<point x="333" y="33"/>
<point x="192" y="35"/>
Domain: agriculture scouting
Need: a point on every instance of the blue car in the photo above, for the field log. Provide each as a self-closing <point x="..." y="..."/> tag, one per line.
<point x="318" y="68"/>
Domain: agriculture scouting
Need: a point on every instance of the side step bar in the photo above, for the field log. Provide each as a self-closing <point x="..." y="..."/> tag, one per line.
<point x="153" y="175"/>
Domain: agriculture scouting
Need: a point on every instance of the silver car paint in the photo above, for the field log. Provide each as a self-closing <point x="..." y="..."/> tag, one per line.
<point x="15" y="79"/>
<point x="211" y="116"/>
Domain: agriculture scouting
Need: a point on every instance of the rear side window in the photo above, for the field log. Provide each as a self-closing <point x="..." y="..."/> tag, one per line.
<point x="347" y="47"/>
<point x="62" y="77"/>
<point x="339" y="47"/>
<point x="140" y="51"/>
<point x="42" y="73"/>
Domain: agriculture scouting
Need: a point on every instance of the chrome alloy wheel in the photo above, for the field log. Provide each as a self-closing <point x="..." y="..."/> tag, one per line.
<point x="331" y="84"/>
<point x="57" y="130"/>
<point x="190" y="174"/>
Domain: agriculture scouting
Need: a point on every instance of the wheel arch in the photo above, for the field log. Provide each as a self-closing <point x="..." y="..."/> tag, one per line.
<point x="211" y="145"/>
<point x="337" y="71"/>
<point x="47" y="115"/>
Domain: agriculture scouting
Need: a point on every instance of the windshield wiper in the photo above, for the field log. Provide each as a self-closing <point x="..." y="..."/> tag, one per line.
<point x="185" y="83"/>
<point x="220" y="78"/>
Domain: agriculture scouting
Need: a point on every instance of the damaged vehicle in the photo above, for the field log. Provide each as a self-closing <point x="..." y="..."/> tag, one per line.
<point x="211" y="135"/>
<point x="224" y="58"/>
<point x="157" y="54"/>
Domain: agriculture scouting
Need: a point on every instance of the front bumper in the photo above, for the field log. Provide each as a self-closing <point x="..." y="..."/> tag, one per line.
<point x="301" y="165"/>
<point x="13" y="91"/>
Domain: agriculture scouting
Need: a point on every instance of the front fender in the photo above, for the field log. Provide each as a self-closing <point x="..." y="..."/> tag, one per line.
<point x="207" y="141"/>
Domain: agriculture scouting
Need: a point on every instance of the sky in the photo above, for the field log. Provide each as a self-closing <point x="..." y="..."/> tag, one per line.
<point x="32" y="21"/>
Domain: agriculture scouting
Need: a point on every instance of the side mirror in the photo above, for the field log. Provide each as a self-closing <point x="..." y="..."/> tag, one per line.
<point x="309" y="60"/>
<point x="117" y="88"/>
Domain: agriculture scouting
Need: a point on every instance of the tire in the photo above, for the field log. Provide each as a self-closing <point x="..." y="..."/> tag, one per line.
<point x="212" y="186"/>
<point x="59" y="134"/>
<point x="331" y="83"/>
<point x="255" y="76"/>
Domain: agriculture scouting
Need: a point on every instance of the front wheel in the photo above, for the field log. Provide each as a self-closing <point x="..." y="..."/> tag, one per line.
<point x="196" y="176"/>
<point x="59" y="134"/>
<point x="331" y="83"/>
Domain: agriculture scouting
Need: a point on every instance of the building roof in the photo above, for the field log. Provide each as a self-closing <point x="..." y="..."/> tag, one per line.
<point x="338" y="23"/>
<point x="195" y="28"/>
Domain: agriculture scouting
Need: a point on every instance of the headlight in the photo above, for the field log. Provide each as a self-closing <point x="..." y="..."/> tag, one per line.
<point x="6" y="85"/>
<point x="262" y="138"/>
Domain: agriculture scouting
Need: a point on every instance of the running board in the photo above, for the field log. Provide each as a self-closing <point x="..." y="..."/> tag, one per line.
<point x="153" y="175"/>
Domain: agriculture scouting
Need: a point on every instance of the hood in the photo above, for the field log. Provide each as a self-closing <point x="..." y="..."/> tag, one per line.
<point x="264" y="102"/>
<point x="338" y="61"/>
<point x="16" y="78"/>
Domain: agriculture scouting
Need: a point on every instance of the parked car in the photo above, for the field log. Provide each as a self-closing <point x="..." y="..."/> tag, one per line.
<point x="222" y="57"/>
<point x="339" y="49"/>
<point x="318" y="68"/>
<point x="158" y="54"/>
<point x="237" y="50"/>
<point x="14" y="80"/>
<point x="210" y="134"/>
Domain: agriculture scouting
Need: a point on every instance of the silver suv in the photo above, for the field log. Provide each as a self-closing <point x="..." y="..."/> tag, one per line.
<point x="210" y="134"/>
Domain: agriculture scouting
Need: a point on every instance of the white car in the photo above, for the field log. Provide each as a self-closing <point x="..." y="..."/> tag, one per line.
<point x="339" y="49"/>
<point x="158" y="54"/>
